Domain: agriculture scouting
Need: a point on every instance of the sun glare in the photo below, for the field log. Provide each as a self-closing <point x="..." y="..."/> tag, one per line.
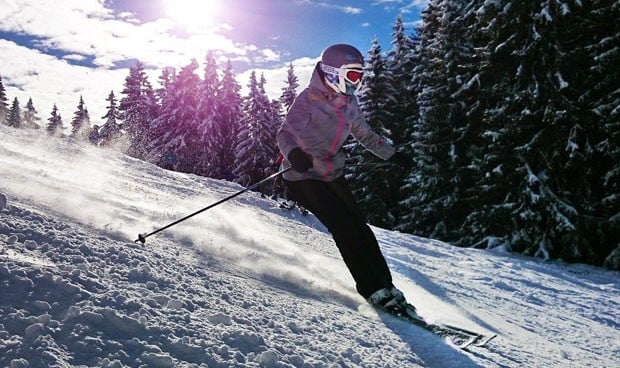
<point x="192" y="13"/>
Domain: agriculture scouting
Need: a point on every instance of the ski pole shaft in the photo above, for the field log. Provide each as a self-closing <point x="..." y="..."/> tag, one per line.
<point x="142" y="237"/>
<point x="372" y="164"/>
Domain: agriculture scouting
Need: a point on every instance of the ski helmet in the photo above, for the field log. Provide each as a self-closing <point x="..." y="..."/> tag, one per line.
<point x="343" y="66"/>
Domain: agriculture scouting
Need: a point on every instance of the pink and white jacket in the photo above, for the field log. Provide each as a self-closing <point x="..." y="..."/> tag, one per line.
<point x="319" y="122"/>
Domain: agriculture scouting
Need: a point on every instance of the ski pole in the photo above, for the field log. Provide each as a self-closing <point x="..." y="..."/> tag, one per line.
<point x="142" y="237"/>
<point x="372" y="165"/>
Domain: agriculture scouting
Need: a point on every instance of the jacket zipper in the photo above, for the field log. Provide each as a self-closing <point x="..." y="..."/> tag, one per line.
<point x="330" y="163"/>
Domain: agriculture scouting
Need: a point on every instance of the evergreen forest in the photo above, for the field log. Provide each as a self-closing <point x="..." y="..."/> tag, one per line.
<point x="508" y="110"/>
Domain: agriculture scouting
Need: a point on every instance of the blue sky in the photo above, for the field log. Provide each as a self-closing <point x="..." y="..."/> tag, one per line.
<point x="56" y="51"/>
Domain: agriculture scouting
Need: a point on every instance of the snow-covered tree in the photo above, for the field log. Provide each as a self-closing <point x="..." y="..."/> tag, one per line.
<point x="288" y="96"/>
<point x="271" y="122"/>
<point x="55" y="126"/>
<point x="401" y="99"/>
<point x="81" y="122"/>
<point x="401" y="69"/>
<point x="138" y="108"/>
<point x="255" y="147"/>
<point x="207" y="114"/>
<point x="176" y="140"/>
<point x="517" y="118"/>
<point x="289" y="91"/>
<point x="209" y="88"/>
<point x="14" y="118"/>
<point x="547" y="149"/>
<point x="30" y="116"/>
<point x="377" y="189"/>
<point x="444" y="140"/>
<point x="110" y="132"/>
<point x="93" y="135"/>
<point x="597" y="96"/>
<point x="4" y="106"/>
<point x="228" y="117"/>
<point x="165" y="81"/>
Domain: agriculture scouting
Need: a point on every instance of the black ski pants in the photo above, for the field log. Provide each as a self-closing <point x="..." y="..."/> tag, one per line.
<point x="333" y="204"/>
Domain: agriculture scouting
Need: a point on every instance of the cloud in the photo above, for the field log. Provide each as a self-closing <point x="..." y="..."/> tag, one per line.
<point x="49" y="80"/>
<point x="404" y="6"/>
<point x="415" y="6"/>
<point x="276" y="77"/>
<point x="89" y="28"/>
<point x="83" y="48"/>
<point x="327" y="5"/>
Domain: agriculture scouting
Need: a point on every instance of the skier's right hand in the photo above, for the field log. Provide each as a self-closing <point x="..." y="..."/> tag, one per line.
<point x="300" y="160"/>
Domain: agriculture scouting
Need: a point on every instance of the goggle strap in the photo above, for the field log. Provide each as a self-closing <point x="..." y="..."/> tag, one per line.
<point x="329" y="69"/>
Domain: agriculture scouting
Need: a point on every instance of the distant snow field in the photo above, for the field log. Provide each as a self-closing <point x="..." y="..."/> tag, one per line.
<point x="247" y="284"/>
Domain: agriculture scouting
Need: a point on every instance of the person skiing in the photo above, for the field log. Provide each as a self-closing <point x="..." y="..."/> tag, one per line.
<point x="310" y="139"/>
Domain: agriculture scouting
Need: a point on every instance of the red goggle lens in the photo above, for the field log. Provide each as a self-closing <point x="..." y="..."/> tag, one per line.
<point x="354" y="76"/>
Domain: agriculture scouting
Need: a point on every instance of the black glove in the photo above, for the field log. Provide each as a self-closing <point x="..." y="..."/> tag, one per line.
<point x="300" y="160"/>
<point x="401" y="159"/>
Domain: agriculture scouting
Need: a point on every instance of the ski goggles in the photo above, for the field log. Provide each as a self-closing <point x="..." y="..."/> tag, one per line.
<point x="352" y="73"/>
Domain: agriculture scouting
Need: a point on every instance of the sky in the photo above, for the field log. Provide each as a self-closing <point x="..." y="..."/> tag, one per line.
<point x="248" y="284"/>
<point x="56" y="53"/>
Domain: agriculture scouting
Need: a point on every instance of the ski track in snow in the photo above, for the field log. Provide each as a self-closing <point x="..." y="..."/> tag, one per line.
<point x="247" y="284"/>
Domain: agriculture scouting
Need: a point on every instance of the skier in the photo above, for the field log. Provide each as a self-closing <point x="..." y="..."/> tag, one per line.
<point x="310" y="139"/>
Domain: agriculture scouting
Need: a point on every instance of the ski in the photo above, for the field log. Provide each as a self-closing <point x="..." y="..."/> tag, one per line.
<point x="459" y="337"/>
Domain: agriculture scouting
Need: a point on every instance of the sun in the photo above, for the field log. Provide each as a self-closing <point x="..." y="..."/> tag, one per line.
<point x="192" y="14"/>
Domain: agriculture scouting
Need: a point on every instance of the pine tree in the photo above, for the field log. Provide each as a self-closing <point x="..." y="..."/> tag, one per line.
<point x="405" y="70"/>
<point x="176" y="142"/>
<point x="377" y="189"/>
<point x="55" y="126"/>
<point x="399" y="65"/>
<point x="467" y="101"/>
<point x="138" y="108"/>
<point x="289" y="91"/>
<point x="165" y="81"/>
<point x="209" y="87"/>
<point x="288" y="96"/>
<point x="4" y="106"/>
<point x="14" y="118"/>
<point x="30" y="116"/>
<point x="228" y="117"/>
<point x="598" y="97"/>
<point x="81" y="122"/>
<point x="93" y="135"/>
<point x="110" y="132"/>
<point x="271" y="124"/>
<point x="515" y="143"/>
<point x="448" y="134"/>
<point x="255" y="143"/>
<point x="546" y="147"/>
<point x="207" y="107"/>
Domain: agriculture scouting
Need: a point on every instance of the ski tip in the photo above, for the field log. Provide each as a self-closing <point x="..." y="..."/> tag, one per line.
<point x="485" y="339"/>
<point x="479" y="341"/>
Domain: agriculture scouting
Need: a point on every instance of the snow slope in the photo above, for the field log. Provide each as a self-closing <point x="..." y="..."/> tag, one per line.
<point x="247" y="284"/>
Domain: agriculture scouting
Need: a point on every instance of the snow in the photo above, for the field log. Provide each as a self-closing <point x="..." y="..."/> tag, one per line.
<point x="247" y="284"/>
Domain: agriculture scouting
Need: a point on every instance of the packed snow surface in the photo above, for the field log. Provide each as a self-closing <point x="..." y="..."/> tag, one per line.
<point x="247" y="284"/>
